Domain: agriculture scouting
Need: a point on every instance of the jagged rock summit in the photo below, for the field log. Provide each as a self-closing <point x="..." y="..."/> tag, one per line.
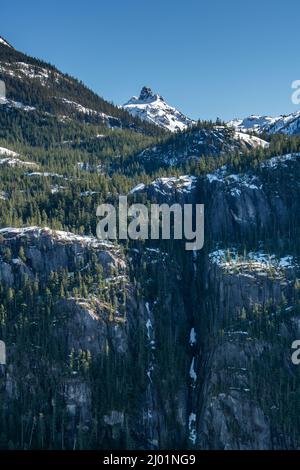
<point x="153" y="108"/>
<point x="147" y="94"/>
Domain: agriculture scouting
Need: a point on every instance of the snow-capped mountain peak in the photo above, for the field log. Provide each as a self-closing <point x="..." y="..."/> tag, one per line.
<point x="152" y="107"/>
<point x="148" y="95"/>
<point x="4" y="42"/>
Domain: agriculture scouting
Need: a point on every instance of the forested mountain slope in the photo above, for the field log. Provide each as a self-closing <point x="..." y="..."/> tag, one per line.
<point x="33" y="85"/>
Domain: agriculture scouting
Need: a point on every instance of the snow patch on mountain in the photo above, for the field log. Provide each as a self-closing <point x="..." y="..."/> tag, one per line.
<point x="223" y="175"/>
<point x="168" y="185"/>
<point x="251" y="263"/>
<point x="79" y="108"/>
<point x="15" y="104"/>
<point x="234" y="181"/>
<point x="59" y="235"/>
<point x="46" y="174"/>
<point x="22" y="70"/>
<point x="8" y="153"/>
<point x="183" y="183"/>
<point x="152" y="107"/>
<point x="12" y="159"/>
<point x="16" y="162"/>
<point x="280" y="160"/>
<point x="250" y="140"/>
<point x="139" y="187"/>
<point x="253" y="123"/>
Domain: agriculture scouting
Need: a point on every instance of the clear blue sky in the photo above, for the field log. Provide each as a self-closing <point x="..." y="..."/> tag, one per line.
<point x="208" y="58"/>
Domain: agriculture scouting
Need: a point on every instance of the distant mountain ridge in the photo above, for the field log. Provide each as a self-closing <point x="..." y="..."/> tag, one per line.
<point x="199" y="141"/>
<point x="283" y="124"/>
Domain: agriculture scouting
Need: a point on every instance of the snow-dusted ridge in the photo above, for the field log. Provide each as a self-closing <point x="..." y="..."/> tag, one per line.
<point x="223" y="175"/>
<point x="4" y="42"/>
<point x="235" y="183"/>
<point x="280" y="160"/>
<point x="152" y="107"/>
<point x="203" y="141"/>
<point x="283" y="124"/>
<point x="139" y="187"/>
<point x="23" y="70"/>
<point x="253" y="123"/>
<point x="58" y="235"/>
<point x="79" y="108"/>
<point x="82" y="109"/>
<point x="250" y="140"/>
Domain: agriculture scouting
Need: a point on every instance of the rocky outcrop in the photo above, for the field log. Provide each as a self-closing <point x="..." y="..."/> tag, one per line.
<point x="248" y="205"/>
<point x="242" y="281"/>
<point x="88" y="332"/>
<point x="182" y="190"/>
<point x="228" y="412"/>
<point x="232" y="414"/>
<point x="45" y="251"/>
<point x="91" y="325"/>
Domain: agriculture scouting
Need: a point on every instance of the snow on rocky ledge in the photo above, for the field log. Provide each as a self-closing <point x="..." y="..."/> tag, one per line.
<point x="57" y="246"/>
<point x="58" y="235"/>
<point x="23" y="70"/>
<point x="236" y="182"/>
<point x="11" y="158"/>
<point x="138" y="188"/>
<point x="15" y="104"/>
<point x="280" y="160"/>
<point x="79" y="108"/>
<point x="259" y="262"/>
<point x="165" y="185"/>
<point x="8" y="153"/>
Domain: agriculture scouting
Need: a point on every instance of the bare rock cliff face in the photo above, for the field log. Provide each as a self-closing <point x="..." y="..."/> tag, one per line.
<point x="159" y="348"/>
<point x="245" y="316"/>
<point x="236" y="411"/>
